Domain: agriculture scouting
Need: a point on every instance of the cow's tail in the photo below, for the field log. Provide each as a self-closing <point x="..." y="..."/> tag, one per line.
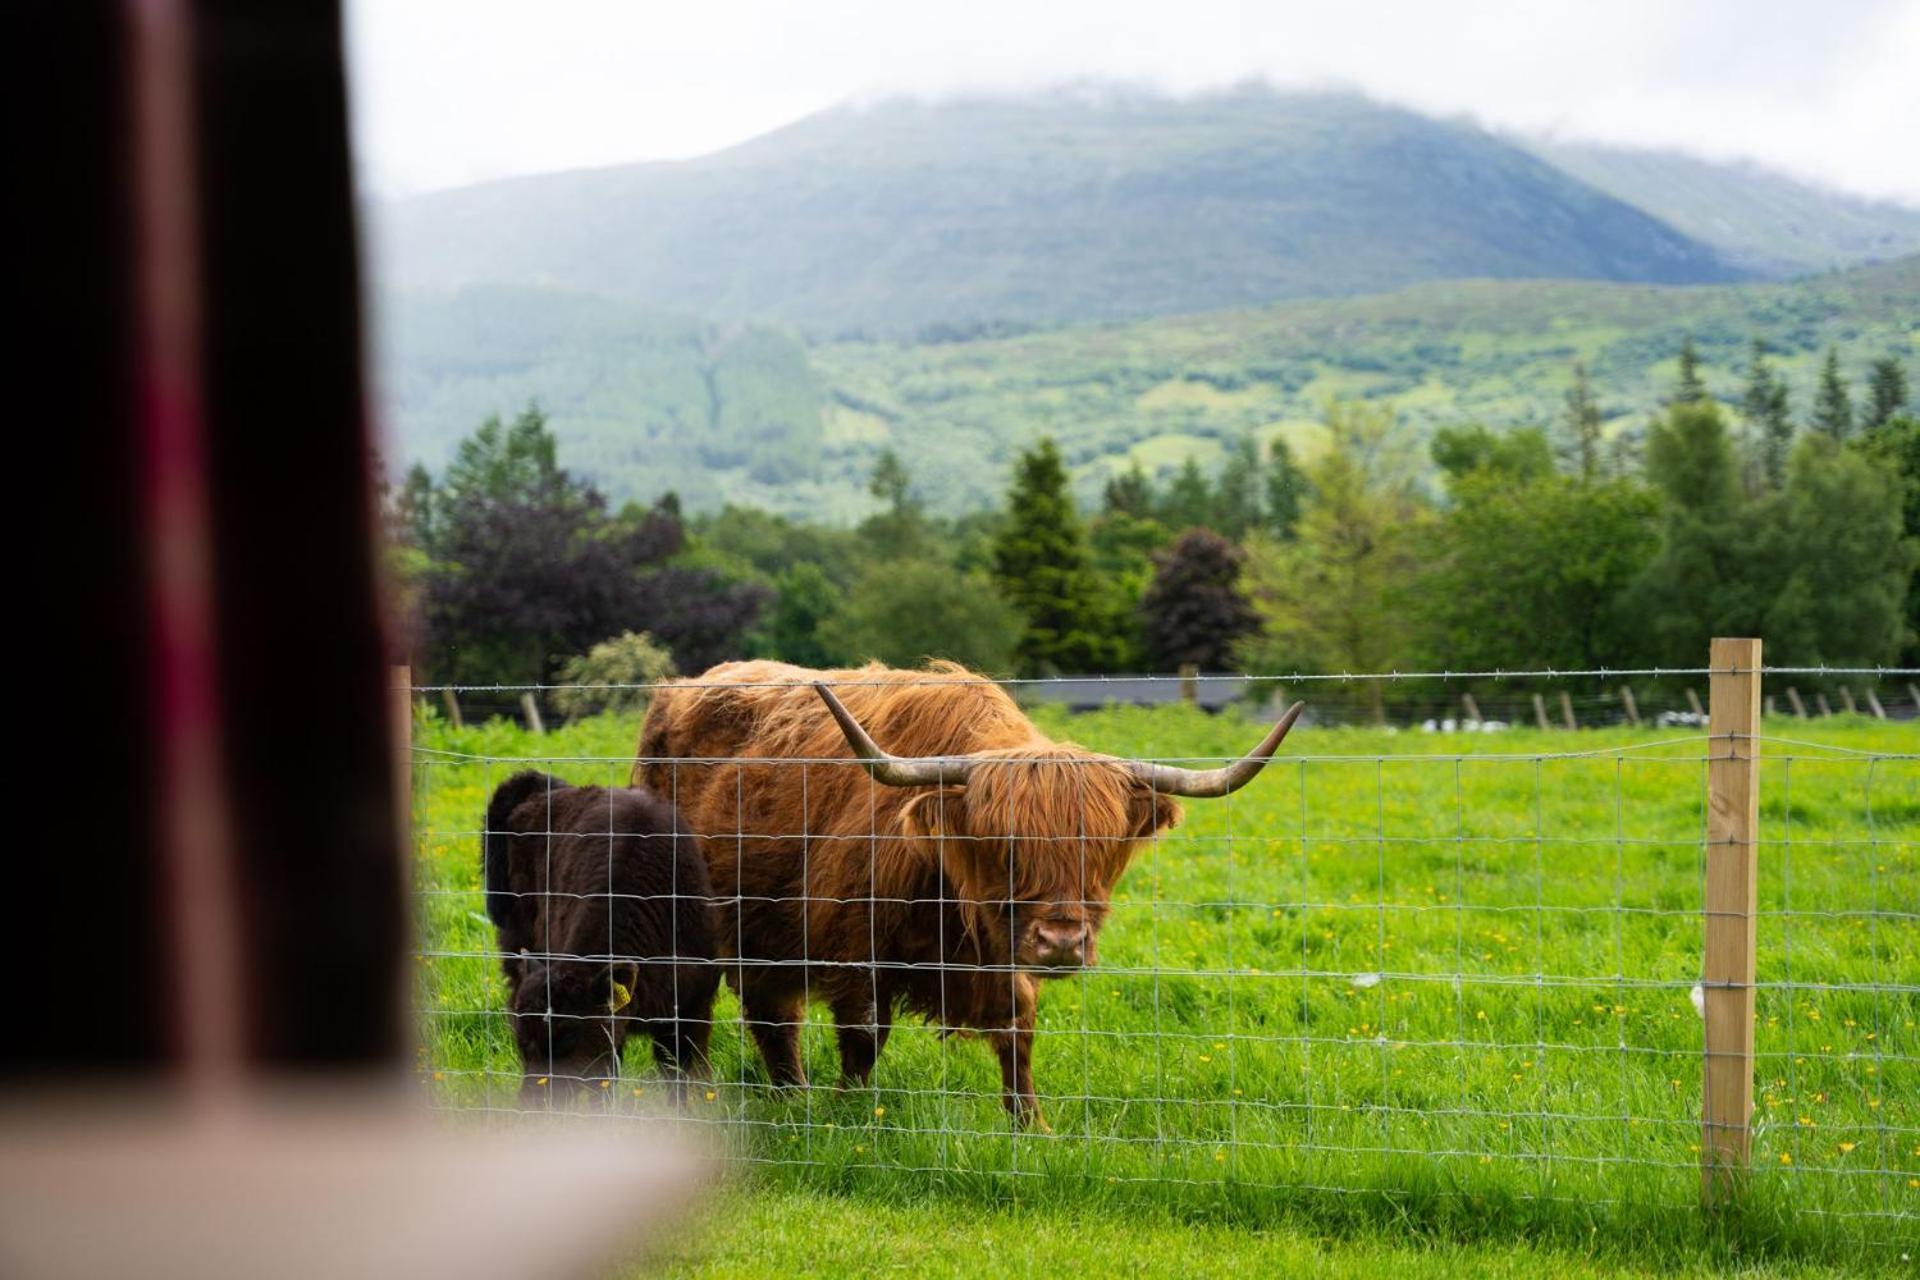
<point x="507" y="797"/>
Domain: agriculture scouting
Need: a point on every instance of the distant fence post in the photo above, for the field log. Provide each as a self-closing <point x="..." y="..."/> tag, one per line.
<point x="1473" y="708"/>
<point x="1189" y="683"/>
<point x="531" y="710"/>
<point x="1728" y="970"/>
<point x="451" y="701"/>
<point x="400" y="712"/>
<point x="1633" y="708"/>
<point x="1566" y="710"/>
<point x="1540" y="711"/>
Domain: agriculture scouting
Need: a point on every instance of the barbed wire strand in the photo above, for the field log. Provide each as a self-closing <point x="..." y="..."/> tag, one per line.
<point x="840" y="680"/>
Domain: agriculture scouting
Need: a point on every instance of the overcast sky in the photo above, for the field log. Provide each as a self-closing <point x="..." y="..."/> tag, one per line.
<point x="455" y="91"/>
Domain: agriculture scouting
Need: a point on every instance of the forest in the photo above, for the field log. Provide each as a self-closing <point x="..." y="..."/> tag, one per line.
<point x="1575" y="545"/>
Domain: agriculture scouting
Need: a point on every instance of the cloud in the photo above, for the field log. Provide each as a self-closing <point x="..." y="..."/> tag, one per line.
<point x="453" y="91"/>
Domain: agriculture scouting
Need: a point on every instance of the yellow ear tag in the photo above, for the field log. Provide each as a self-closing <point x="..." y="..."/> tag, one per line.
<point x="621" y="998"/>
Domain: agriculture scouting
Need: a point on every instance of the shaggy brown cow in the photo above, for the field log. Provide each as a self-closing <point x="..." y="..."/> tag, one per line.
<point x="602" y="907"/>
<point x="986" y="857"/>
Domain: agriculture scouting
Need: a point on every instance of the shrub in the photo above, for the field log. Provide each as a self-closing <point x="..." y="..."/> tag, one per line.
<point x="631" y="658"/>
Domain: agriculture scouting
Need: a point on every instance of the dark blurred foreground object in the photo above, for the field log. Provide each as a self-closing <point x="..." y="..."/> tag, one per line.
<point x="224" y="882"/>
<point x="327" y="1189"/>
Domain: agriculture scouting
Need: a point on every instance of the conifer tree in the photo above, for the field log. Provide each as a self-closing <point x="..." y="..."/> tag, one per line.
<point x="1040" y="562"/>
<point x="1129" y="493"/>
<point x="1832" y="407"/>
<point x="1189" y="499"/>
<point x="899" y="530"/>
<point x="1765" y="408"/>
<point x="1583" y="434"/>
<point x="1236" y="504"/>
<point x="1688" y="388"/>
<point x="1886" y="392"/>
<point x="1286" y="490"/>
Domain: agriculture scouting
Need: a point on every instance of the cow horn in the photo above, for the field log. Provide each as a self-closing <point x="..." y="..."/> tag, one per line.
<point x="1202" y="783"/>
<point x="895" y="771"/>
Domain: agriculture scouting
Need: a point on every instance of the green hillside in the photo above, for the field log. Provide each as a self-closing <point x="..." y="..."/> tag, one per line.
<point x="646" y="401"/>
<point x="1760" y="220"/>
<point x="1054" y="208"/>
<point x="645" y="404"/>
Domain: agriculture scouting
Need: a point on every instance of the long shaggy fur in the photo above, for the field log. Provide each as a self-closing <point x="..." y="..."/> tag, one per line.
<point x="843" y="880"/>
<point x="598" y="893"/>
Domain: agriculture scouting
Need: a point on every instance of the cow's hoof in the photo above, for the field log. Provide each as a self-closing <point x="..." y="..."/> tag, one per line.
<point x="1031" y="1122"/>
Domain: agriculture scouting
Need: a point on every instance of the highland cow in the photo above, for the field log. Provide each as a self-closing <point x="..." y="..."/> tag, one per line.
<point x="603" y="912"/>
<point x="943" y="880"/>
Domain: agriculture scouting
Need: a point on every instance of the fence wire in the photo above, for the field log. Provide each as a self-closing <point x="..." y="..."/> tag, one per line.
<point x="1475" y="971"/>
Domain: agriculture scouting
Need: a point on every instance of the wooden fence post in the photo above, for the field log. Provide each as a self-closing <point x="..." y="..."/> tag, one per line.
<point x="1633" y="708"/>
<point x="1473" y="708"/>
<point x="1793" y="700"/>
<point x="400" y="713"/>
<point x="1846" y="700"/>
<point x="1873" y="704"/>
<point x="1540" y="711"/>
<point x="1693" y="701"/>
<point x="1727" y="976"/>
<point x="452" y="703"/>
<point x="1189" y="683"/>
<point x="531" y="710"/>
<point x="1566" y="710"/>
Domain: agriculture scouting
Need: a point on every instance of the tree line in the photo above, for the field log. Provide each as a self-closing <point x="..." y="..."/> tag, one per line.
<point x="1579" y="544"/>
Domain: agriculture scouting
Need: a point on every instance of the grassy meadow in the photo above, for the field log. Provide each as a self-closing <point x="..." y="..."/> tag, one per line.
<point x="1409" y="997"/>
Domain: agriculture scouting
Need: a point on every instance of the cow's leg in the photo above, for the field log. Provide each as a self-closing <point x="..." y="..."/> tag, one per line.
<point x="774" y="1014"/>
<point x="1013" y="1045"/>
<point x="863" y="1021"/>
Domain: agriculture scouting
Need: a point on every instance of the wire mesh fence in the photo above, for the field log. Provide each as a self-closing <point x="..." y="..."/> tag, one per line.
<point x="1424" y="963"/>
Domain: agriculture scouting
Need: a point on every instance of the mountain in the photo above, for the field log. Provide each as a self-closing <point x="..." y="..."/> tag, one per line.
<point x="645" y="402"/>
<point x="1759" y="220"/>
<point x="1070" y="206"/>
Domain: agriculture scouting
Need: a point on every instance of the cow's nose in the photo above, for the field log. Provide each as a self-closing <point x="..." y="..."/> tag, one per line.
<point x="1063" y="941"/>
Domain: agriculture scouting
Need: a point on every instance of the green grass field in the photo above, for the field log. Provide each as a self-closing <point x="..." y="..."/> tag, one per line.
<point x="1409" y="999"/>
